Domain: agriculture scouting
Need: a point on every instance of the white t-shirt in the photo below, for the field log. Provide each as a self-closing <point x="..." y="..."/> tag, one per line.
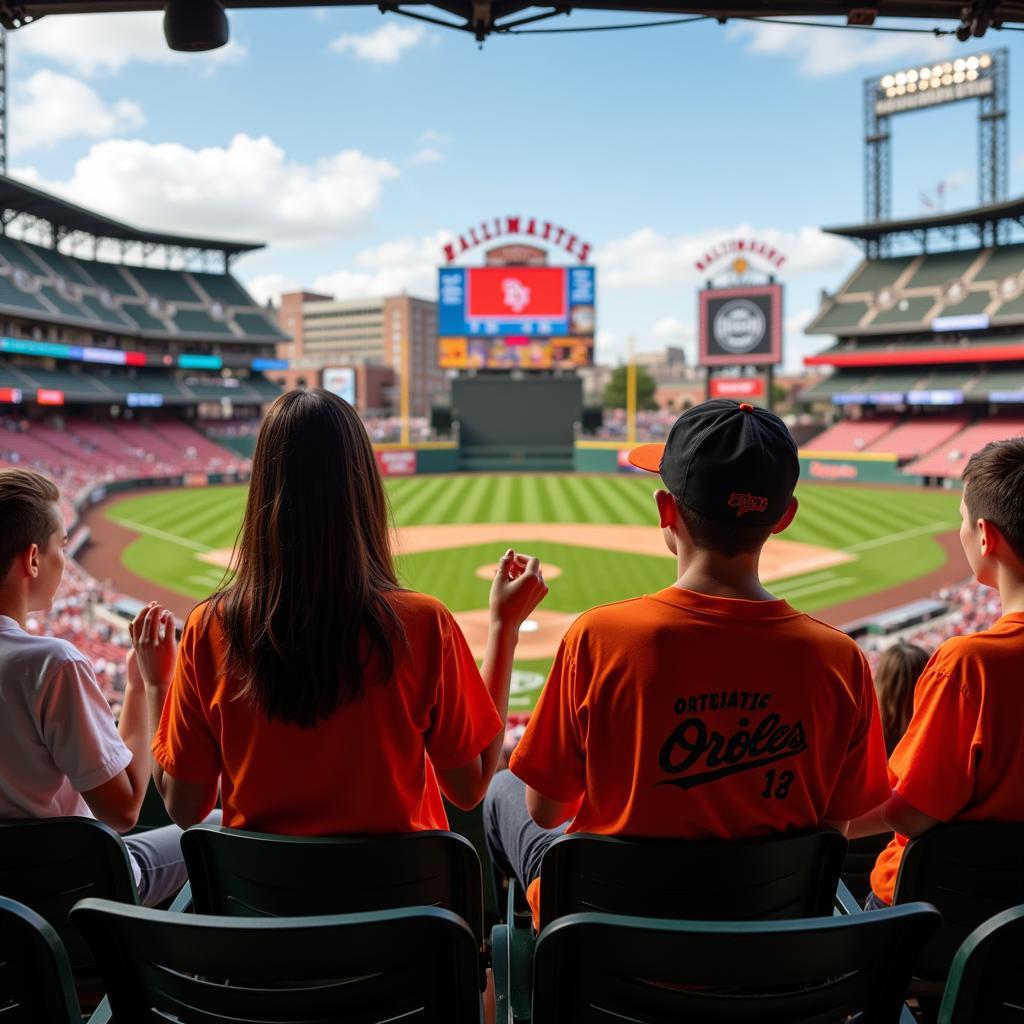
<point x="57" y="735"/>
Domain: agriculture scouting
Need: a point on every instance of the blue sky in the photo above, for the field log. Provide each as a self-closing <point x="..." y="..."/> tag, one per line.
<point x="351" y="142"/>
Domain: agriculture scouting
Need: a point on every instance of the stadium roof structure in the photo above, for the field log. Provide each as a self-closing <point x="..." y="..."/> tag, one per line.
<point x="985" y="220"/>
<point x="484" y="17"/>
<point x="65" y="219"/>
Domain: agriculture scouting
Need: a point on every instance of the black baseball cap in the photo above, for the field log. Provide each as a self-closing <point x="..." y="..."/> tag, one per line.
<point x="728" y="461"/>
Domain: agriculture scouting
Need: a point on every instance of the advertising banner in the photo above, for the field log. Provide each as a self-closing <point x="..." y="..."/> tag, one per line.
<point x="396" y="463"/>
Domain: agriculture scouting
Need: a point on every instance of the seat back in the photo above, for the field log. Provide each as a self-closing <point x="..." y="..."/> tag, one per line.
<point x="36" y="985"/>
<point x="859" y="862"/>
<point x="971" y="872"/>
<point x="594" y="968"/>
<point x="986" y="981"/>
<point x="50" y="863"/>
<point x="788" y="876"/>
<point x="252" y="874"/>
<point x="417" y="965"/>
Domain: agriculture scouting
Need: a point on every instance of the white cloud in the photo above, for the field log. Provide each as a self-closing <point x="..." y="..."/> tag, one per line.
<point x="426" y="155"/>
<point x="649" y="259"/>
<point x="832" y="51"/>
<point x="266" y="288"/>
<point x="432" y="137"/>
<point x="408" y="265"/>
<point x="671" y="328"/>
<point x="383" y="46"/>
<point x="50" y="107"/>
<point x="247" y="189"/>
<point x="93" y="44"/>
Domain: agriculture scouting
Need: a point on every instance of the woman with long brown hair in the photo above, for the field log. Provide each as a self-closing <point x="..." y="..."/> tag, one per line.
<point x="320" y="695"/>
<point x="899" y="668"/>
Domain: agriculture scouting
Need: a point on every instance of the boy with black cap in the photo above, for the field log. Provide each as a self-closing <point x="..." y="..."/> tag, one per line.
<point x="709" y="709"/>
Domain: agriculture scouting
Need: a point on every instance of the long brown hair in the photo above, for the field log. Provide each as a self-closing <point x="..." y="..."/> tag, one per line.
<point x="307" y="608"/>
<point x="898" y="670"/>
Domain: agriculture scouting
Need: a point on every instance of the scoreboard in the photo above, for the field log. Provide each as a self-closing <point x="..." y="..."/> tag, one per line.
<point x="529" y="318"/>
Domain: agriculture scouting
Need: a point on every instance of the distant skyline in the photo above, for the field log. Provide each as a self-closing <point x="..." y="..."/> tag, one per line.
<point x="357" y="144"/>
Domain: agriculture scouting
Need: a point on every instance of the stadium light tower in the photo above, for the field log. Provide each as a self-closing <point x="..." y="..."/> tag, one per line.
<point x="3" y="100"/>
<point x="981" y="76"/>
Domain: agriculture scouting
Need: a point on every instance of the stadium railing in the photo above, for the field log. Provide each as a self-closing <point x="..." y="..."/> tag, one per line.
<point x="418" y="964"/>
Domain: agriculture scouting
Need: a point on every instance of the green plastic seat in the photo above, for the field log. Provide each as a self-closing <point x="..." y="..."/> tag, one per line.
<point x="971" y="872"/>
<point x="50" y="863"/>
<point x="592" y="968"/>
<point x="238" y="873"/>
<point x="860" y="862"/>
<point x="775" y="877"/>
<point x="786" y="876"/>
<point x="986" y="980"/>
<point x="36" y="984"/>
<point x="416" y="965"/>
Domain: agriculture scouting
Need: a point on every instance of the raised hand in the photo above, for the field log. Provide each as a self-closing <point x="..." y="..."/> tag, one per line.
<point x="517" y="589"/>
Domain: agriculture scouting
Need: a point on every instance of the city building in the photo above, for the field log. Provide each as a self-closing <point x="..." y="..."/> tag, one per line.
<point x="366" y="335"/>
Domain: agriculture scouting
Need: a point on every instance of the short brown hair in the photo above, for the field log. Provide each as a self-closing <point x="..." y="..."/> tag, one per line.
<point x="994" y="482"/>
<point x="729" y="539"/>
<point x="25" y="514"/>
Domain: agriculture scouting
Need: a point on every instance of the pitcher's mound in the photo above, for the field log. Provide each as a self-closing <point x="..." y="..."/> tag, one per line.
<point x="540" y="640"/>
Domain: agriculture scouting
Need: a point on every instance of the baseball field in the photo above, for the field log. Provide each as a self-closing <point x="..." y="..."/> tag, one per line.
<point x="595" y="535"/>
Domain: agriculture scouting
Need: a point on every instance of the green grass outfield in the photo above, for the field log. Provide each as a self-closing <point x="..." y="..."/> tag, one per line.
<point x="890" y="531"/>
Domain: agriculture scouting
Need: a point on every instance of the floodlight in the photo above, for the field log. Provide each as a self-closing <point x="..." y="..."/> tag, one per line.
<point x="195" y="25"/>
<point x="911" y="75"/>
<point x="985" y="60"/>
<point x="937" y="71"/>
<point x="923" y="84"/>
<point x="972" y="75"/>
<point x="959" y="77"/>
<point x="888" y="82"/>
<point x="947" y="68"/>
<point x="947" y="79"/>
<point x="926" y="72"/>
<point x="959" y="64"/>
<point x="911" y="87"/>
<point x="901" y="78"/>
<point x="972" y="63"/>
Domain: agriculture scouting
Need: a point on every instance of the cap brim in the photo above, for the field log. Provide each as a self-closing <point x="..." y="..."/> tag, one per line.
<point x="647" y="456"/>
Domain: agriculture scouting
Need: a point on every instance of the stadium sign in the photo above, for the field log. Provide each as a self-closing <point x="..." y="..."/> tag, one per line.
<point x="741" y="326"/>
<point x="734" y="248"/>
<point x="737" y="387"/>
<point x="520" y="227"/>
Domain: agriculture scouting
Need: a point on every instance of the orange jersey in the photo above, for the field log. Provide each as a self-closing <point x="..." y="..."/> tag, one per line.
<point x="961" y="758"/>
<point x="368" y="767"/>
<point x="690" y="716"/>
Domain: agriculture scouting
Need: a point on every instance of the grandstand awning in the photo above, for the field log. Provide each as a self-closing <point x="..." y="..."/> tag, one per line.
<point x="922" y="355"/>
<point x="66" y="217"/>
<point x="482" y="17"/>
<point x="1011" y="209"/>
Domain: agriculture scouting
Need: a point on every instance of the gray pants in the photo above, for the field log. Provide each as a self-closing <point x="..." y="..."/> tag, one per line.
<point x="157" y="853"/>
<point x="515" y="841"/>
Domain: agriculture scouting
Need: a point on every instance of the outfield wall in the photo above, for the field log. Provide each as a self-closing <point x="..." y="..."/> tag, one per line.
<point x="854" y="468"/>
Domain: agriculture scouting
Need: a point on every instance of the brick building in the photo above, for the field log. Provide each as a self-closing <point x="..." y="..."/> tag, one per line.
<point x="366" y="334"/>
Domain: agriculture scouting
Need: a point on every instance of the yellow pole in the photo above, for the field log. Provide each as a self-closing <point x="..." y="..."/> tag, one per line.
<point x="403" y="390"/>
<point x="631" y="392"/>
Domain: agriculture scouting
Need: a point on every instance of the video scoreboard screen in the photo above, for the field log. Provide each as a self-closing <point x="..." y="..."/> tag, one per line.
<point x="507" y="318"/>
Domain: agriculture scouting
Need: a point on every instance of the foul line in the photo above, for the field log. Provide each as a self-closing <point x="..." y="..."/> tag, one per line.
<point x="152" y="531"/>
<point x="879" y="542"/>
<point x="840" y="581"/>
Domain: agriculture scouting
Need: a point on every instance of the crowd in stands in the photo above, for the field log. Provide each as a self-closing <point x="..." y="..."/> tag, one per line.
<point x="80" y="456"/>
<point x="388" y="429"/>
<point x="651" y="425"/>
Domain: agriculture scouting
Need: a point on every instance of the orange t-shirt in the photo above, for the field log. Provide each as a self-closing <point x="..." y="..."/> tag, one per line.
<point x="690" y="716"/>
<point x="962" y="758"/>
<point x="368" y="767"/>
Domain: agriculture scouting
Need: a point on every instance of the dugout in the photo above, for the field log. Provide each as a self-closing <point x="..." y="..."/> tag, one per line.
<point x="517" y="423"/>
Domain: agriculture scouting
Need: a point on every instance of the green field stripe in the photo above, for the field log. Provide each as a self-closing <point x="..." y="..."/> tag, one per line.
<point x="529" y="491"/>
<point x="211" y="526"/>
<point x="573" y="499"/>
<point x="447" y="508"/>
<point x="603" y="508"/>
<point x="152" y="531"/>
<point x="637" y="503"/>
<point x="426" y="493"/>
<point x="894" y="538"/>
<point x="477" y="500"/>
<point x="398" y="491"/>
<point x="499" y="510"/>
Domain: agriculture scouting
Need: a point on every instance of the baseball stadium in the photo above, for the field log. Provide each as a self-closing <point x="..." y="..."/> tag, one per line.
<point x="136" y="370"/>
